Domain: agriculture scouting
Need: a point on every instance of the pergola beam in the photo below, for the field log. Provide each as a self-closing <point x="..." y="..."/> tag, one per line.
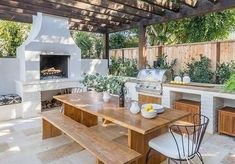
<point x="166" y="4"/>
<point x="110" y="6"/>
<point x="61" y="10"/>
<point x="85" y="27"/>
<point x="142" y="47"/>
<point x="203" y="7"/>
<point x="141" y="5"/>
<point x="109" y="16"/>
<point x="190" y="3"/>
<point x="92" y="7"/>
<point x="30" y="13"/>
<point x="106" y="47"/>
<point x="74" y="8"/>
<point x="27" y="18"/>
<point x="12" y="16"/>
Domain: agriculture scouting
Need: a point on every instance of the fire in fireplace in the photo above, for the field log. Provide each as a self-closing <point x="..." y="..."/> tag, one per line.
<point x="53" y="67"/>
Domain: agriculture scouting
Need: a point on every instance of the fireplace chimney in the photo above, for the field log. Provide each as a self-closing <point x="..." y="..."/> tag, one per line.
<point x="49" y="35"/>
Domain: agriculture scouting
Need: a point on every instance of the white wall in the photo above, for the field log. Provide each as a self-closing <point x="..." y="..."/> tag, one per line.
<point x="9" y="72"/>
<point x="92" y="66"/>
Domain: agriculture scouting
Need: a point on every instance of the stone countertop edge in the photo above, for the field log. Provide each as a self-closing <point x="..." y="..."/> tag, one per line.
<point x="211" y="87"/>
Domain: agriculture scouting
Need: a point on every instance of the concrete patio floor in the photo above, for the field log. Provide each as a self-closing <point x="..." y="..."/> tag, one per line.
<point x="20" y="142"/>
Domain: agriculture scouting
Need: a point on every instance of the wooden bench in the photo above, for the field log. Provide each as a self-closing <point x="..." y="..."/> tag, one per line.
<point x="106" y="151"/>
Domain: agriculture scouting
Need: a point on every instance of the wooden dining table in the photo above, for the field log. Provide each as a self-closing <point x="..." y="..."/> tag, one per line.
<point x="86" y="107"/>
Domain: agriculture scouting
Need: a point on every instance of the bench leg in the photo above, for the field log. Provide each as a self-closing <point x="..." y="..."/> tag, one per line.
<point x="48" y="130"/>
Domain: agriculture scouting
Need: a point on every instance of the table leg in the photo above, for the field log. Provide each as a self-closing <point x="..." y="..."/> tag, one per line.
<point x="139" y="143"/>
<point x="80" y="116"/>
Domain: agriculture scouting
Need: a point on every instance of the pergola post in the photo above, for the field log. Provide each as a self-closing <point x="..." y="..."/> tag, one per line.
<point x="142" y="47"/>
<point x="106" y="47"/>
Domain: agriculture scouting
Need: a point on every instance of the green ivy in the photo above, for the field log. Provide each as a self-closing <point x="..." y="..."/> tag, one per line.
<point x="200" y="70"/>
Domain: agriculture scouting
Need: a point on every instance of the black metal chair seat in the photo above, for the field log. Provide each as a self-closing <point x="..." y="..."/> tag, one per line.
<point x="182" y="142"/>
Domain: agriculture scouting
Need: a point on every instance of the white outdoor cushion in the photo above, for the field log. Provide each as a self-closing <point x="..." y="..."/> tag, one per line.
<point x="166" y="145"/>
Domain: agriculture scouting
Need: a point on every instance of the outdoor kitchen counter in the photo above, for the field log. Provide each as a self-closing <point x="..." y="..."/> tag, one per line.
<point x="211" y="96"/>
<point x="201" y="88"/>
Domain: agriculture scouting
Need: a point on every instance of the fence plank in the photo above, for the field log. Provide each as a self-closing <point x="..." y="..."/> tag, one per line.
<point x="184" y="53"/>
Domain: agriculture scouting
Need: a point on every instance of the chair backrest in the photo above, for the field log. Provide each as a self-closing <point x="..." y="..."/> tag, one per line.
<point x="77" y="90"/>
<point x="188" y="138"/>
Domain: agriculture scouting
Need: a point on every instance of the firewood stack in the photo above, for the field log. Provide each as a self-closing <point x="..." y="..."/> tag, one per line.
<point x="51" y="71"/>
<point x="50" y="104"/>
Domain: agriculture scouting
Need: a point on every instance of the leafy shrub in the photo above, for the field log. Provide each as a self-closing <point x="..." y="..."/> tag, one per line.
<point x="91" y="44"/>
<point x="163" y="64"/>
<point x="224" y="71"/>
<point x="12" y="35"/>
<point x="124" y="39"/>
<point x="230" y="84"/>
<point x="200" y="70"/>
<point x="102" y="83"/>
<point x="123" y="67"/>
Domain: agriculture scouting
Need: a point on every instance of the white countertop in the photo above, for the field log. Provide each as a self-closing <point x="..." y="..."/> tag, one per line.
<point x="199" y="88"/>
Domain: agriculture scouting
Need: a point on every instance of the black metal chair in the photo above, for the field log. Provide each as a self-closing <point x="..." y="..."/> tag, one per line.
<point x="182" y="142"/>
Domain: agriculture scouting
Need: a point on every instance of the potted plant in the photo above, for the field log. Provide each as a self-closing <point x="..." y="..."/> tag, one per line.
<point x="107" y="84"/>
<point x="101" y="85"/>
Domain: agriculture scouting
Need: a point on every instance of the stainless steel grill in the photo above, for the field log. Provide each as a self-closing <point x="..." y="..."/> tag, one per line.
<point x="150" y="80"/>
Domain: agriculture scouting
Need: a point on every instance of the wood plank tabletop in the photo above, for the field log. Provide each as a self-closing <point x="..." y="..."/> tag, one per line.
<point x="92" y="102"/>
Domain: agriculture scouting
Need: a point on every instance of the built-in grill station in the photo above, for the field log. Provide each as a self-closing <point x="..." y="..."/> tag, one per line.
<point x="151" y="80"/>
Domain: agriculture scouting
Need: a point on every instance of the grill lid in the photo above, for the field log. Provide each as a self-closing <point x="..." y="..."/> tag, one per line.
<point x="157" y="75"/>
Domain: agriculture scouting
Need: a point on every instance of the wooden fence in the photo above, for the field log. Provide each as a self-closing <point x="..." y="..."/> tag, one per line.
<point x="217" y="52"/>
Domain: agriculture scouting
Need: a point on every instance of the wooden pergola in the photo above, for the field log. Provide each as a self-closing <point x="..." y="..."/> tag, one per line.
<point x="108" y="16"/>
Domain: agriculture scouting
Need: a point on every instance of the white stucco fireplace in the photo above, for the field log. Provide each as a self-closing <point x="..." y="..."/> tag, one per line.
<point x="49" y="60"/>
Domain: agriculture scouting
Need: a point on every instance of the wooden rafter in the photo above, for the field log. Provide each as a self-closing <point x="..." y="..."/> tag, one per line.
<point x="190" y="3"/>
<point x="99" y="9"/>
<point x="141" y="5"/>
<point x="62" y="10"/>
<point x="27" y="18"/>
<point x="44" y="9"/>
<point x="57" y="4"/>
<point x="203" y="7"/>
<point x="13" y="16"/>
<point x="112" y="8"/>
<point x="111" y="15"/>
<point x="30" y="13"/>
<point x="166" y="4"/>
<point x="85" y="27"/>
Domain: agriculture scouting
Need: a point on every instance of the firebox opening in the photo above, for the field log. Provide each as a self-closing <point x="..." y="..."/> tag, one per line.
<point x="53" y="67"/>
